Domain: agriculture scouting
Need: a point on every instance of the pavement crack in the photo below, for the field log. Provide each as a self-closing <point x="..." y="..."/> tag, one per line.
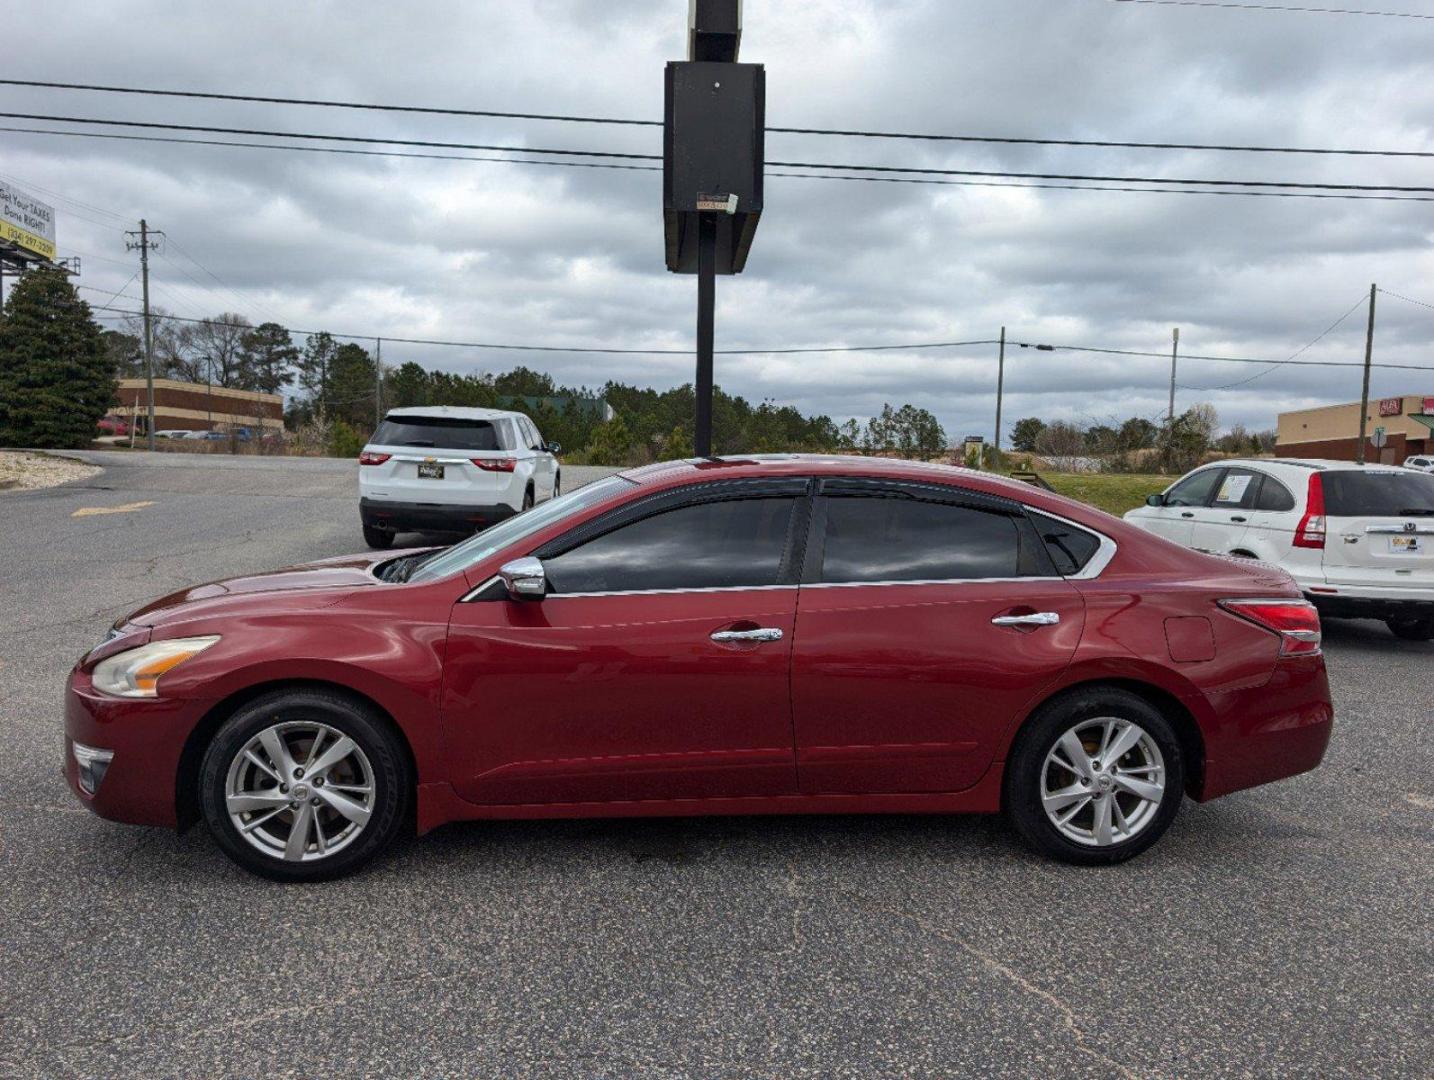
<point x="1010" y="974"/>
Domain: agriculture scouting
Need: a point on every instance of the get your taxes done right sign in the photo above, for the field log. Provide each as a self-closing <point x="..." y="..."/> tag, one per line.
<point x="26" y="222"/>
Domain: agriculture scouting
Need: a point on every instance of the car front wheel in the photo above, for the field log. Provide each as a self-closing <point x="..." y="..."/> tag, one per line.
<point x="1094" y="778"/>
<point x="304" y="785"/>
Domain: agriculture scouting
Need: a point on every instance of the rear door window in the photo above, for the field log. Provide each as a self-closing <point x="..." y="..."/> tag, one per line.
<point x="876" y="539"/>
<point x="438" y="432"/>
<point x="1350" y="493"/>
<point x="1239" y="490"/>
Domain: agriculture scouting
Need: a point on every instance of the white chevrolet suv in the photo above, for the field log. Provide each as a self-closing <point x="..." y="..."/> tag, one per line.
<point x="447" y="469"/>
<point x="1359" y="539"/>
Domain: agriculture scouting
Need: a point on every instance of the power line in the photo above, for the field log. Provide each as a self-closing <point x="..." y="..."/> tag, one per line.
<point x="1406" y="299"/>
<point x="604" y="350"/>
<point x="656" y="168"/>
<point x="566" y="152"/>
<point x="838" y="132"/>
<point x="1363" y="299"/>
<point x="1280" y="7"/>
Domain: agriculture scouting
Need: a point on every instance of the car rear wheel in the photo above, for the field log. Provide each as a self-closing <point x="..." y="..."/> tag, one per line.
<point x="1412" y="629"/>
<point x="304" y="785"/>
<point x="527" y="500"/>
<point x="1094" y="778"/>
<point x="377" y="538"/>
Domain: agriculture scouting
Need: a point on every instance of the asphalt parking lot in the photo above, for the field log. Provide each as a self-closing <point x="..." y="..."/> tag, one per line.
<point x="1283" y="931"/>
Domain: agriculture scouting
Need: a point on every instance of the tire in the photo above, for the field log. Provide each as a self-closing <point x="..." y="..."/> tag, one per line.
<point x="378" y="538"/>
<point x="527" y="500"/>
<point x="288" y="721"/>
<point x="1039" y="765"/>
<point x="1411" y="629"/>
<point x="557" y="485"/>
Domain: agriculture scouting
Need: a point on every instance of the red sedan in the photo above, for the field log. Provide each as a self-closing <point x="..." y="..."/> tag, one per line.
<point x="762" y="636"/>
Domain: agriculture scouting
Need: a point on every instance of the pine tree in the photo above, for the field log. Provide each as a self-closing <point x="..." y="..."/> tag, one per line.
<point x="267" y="356"/>
<point x="56" y="381"/>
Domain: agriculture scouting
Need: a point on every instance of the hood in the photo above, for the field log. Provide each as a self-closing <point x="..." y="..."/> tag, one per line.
<point x="316" y="584"/>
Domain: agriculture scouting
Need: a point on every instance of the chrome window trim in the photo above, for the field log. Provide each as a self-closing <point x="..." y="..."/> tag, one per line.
<point x="1097" y="563"/>
<point x="634" y="592"/>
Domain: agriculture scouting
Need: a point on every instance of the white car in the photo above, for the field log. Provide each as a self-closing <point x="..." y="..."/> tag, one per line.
<point x="1423" y="463"/>
<point x="442" y="468"/>
<point x="1358" y="539"/>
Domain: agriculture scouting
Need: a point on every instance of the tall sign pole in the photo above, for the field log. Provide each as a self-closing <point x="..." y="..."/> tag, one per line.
<point x="714" y="127"/>
<point x="1000" y="390"/>
<point x="144" y="243"/>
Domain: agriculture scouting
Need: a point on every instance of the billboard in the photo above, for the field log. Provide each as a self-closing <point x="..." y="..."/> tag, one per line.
<point x="26" y="222"/>
<point x="1391" y="406"/>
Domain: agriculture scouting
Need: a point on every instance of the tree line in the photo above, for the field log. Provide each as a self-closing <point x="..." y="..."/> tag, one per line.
<point x="1138" y="443"/>
<point x="58" y="372"/>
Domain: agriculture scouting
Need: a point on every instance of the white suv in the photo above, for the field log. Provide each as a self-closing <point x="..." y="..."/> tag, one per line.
<point x="442" y="468"/>
<point x="1422" y="463"/>
<point x="1359" y="539"/>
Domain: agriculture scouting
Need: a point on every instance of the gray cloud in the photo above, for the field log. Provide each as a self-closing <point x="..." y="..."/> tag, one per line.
<point x="473" y="251"/>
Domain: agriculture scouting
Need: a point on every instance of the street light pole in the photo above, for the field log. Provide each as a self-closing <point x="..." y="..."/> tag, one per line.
<point x="1000" y="389"/>
<point x="706" y="301"/>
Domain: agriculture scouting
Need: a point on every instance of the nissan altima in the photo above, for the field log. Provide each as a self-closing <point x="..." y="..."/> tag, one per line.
<point x="767" y="635"/>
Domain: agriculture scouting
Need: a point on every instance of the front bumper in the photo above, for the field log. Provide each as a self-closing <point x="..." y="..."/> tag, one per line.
<point x="430" y="517"/>
<point x="147" y="736"/>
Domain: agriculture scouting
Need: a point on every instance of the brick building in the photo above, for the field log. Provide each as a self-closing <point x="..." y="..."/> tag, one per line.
<point x="198" y="406"/>
<point x="1332" y="431"/>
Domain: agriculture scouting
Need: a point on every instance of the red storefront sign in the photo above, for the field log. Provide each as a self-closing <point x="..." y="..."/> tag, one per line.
<point x="1391" y="406"/>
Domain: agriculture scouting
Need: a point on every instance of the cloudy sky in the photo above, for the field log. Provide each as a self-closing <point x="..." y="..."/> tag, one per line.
<point x="478" y="251"/>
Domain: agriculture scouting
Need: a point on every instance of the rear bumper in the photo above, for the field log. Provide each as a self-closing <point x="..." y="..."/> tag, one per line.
<point x="1366" y="603"/>
<point x="1269" y="732"/>
<point x="426" y="517"/>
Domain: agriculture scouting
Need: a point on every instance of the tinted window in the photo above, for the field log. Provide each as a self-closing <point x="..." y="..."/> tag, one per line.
<point x="443" y="433"/>
<point x="1070" y="548"/>
<point x="1274" y="496"/>
<point x="1238" y="490"/>
<point x="1194" y="490"/>
<point x="900" y="539"/>
<point x="537" y="443"/>
<point x="705" y="546"/>
<point x="1377" y="494"/>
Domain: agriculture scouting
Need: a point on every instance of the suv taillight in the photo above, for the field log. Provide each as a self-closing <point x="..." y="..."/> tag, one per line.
<point x="1295" y="621"/>
<point x="502" y="464"/>
<point x="370" y="458"/>
<point x="1310" y="532"/>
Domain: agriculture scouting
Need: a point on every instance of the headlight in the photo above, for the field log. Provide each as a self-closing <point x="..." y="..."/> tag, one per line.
<point x="136" y="672"/>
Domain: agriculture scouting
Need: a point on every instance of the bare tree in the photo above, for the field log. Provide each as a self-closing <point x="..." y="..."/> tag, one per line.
<point x="219" y="343"/>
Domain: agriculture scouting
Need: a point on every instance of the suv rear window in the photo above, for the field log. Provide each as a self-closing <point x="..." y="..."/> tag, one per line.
<point x="442" y="432"/>
<point x="1378" y="494"/>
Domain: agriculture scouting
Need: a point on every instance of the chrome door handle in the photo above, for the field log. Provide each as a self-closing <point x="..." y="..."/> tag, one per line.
<point x="764" y="633"/>
<point x="1039" y="618"/>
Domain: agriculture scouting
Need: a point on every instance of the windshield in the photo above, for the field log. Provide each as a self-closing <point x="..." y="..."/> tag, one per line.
<point x="479" y="547"/>
<point x="438" y="431"/>
<point x="1378" y="494"/>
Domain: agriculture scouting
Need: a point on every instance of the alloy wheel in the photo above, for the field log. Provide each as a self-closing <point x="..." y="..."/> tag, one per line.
<point x="1103" y="781"/>
<point x="300" y="791"/>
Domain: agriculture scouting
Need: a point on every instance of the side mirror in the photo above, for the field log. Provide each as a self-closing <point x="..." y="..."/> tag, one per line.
<point x="1155" y="500"/>
<point x="554" y="448"/>
<point x="524" y="579"/>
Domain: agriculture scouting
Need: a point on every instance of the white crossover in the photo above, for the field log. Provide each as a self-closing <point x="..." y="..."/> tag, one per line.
<point x="1359" y="539"/>
<point x="443" y="468"/>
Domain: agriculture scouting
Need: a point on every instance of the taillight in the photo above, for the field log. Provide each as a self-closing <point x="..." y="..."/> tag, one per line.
<point x="1310" y="532"/>
<point x="1295" y="621"/>
<point x="502" y="464"/>
<point x="369" y="458"/>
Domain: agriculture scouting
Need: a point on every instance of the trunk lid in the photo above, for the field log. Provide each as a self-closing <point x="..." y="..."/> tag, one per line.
<point x="1379" y="528"/>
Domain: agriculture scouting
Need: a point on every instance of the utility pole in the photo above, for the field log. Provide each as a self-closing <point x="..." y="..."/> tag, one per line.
<point x="1174" y="353"/>
<point x="144" y="243"/>
<point x="1000" y="389"/>
<point x="1364" y="395"/>
<point x="377" y="382"/>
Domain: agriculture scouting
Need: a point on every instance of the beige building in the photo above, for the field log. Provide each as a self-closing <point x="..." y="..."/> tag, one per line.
<point x="1332" y="431"/>
<point x="199" y="407"/>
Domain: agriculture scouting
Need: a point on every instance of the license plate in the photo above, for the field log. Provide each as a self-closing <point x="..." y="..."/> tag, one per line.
<point x="428" y="470"/>
<point x="1407" y="545"/>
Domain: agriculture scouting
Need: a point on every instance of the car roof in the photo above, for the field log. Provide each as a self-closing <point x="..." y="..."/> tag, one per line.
<point x="452" y="412"/>
<point x="1317" y="464"/>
